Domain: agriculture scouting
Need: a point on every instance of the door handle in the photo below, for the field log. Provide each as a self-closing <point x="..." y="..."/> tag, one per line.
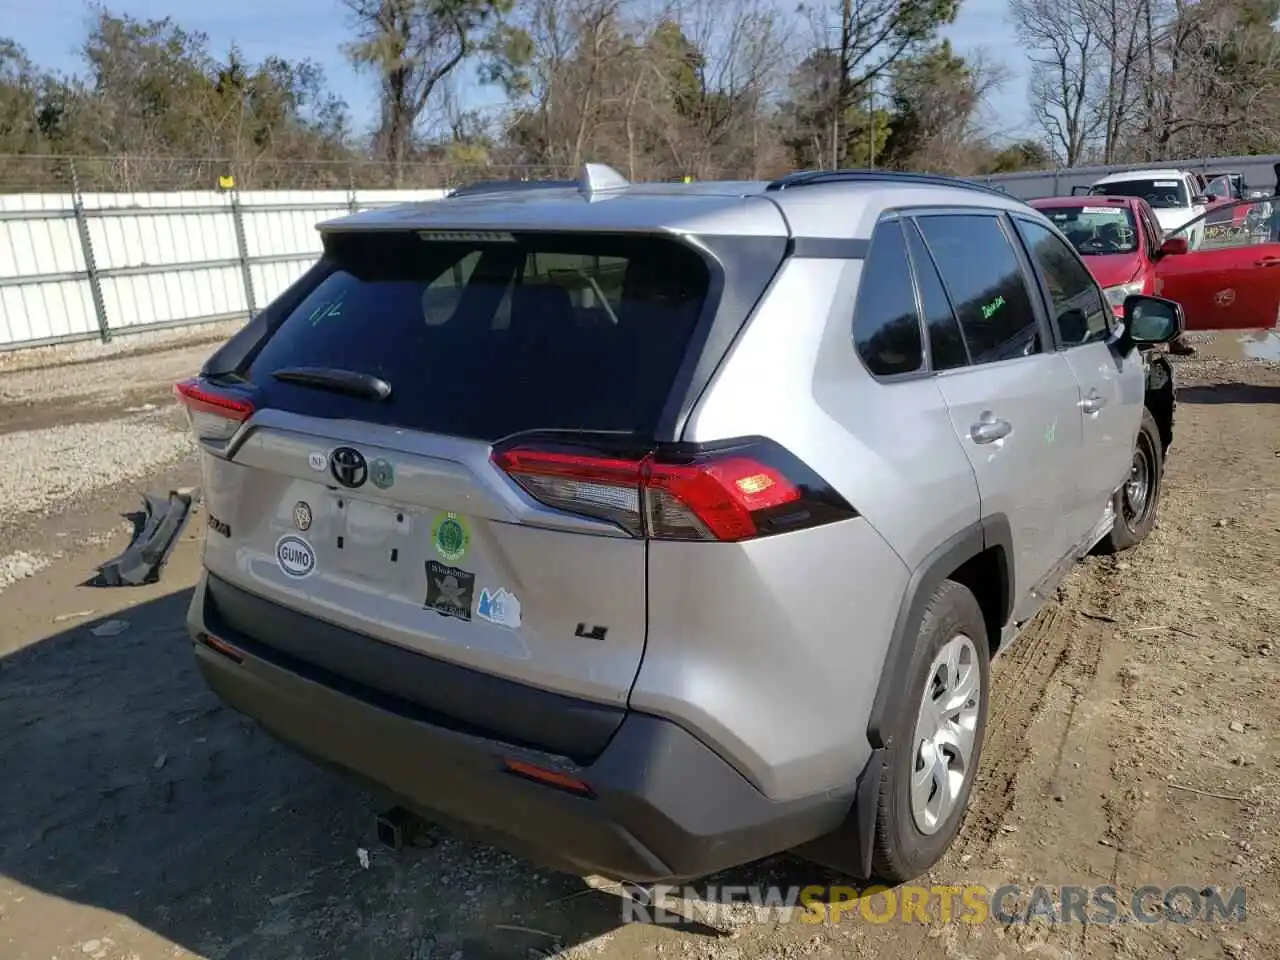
<point x="1267" y="262"/>
<point x="1093" y="402"/>
<point x="989" y="430"/>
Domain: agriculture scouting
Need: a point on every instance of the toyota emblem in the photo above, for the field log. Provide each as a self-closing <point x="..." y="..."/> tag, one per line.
<point x="348" y="467"/>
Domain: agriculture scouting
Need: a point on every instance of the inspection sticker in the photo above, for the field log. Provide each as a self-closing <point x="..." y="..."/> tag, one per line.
<point x="451" y="536"/>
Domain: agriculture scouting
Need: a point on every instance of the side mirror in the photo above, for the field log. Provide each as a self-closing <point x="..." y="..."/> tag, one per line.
<point x="1201" y="200"/>
<point x="1152" y="319"/>
<point x="1175" y="245"/>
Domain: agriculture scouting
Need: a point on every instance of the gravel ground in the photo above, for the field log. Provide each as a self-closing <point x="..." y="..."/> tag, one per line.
<point x="75" y="459"/>
<point x="1131" y="741"/>
<point x="71" y="433"/>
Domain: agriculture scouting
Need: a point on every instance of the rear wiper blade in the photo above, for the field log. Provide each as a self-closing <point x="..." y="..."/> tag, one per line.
<point x="364" y="385"/>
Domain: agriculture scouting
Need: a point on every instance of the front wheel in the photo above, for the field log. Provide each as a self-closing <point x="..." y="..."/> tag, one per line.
<point x="933" y="755"/>
<point x="1137" y="502"/>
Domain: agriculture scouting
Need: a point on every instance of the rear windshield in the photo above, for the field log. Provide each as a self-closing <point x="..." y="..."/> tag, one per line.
<point x="1096" y="230"/>
<point x="1160" y="193"/>
<point x="486" y="339"/>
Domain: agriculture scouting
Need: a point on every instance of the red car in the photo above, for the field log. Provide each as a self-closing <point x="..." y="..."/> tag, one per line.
<point x="1232" y="282"/>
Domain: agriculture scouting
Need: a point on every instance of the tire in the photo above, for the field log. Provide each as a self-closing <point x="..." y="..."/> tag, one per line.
<point x="1132" y="526"/>
<point x="906" y="845"/>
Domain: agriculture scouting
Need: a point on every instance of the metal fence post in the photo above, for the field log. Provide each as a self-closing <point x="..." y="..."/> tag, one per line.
<point x="242" y="245"/>
<point x="353" y="205"/>
<point x="86" y="247"/>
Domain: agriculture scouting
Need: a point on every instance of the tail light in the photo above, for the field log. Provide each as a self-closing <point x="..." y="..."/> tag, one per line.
<point x="738" y="491"/>
<point x="213" y="414"/>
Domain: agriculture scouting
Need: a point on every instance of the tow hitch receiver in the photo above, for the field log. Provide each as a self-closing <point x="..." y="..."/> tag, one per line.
<point x="398" y="827"/>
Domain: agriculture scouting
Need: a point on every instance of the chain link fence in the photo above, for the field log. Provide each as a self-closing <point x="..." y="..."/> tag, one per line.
<point x="36" y="173"/>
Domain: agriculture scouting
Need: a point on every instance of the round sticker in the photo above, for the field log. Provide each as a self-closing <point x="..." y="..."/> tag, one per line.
<point x="302" y="515"/>
<point x="451" y="536"/>
<point x="295" y="556"/>
<point x="318" y="461"/>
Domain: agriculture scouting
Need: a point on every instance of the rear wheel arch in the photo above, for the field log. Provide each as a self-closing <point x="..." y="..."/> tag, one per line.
<point x="979" y="557"/>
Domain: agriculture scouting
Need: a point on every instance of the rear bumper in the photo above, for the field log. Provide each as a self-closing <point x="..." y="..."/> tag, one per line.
<point x="663" y="806"/>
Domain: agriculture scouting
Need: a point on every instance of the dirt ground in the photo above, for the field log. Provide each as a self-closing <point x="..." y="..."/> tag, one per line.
<point x="1132" y="741"/>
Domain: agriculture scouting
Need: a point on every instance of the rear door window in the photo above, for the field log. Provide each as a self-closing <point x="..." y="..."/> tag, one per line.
<point x="985" y="281"/>
<point x="946" y="343"/>
<point x="483" y="340"/>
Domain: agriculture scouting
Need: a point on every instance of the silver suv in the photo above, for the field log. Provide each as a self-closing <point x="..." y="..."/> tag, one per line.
<point x="657" y="528"/>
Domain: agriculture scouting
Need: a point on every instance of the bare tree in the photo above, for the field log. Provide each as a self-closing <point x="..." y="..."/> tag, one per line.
<point x="1064" y="47"/>
<point x="871" y="37"/>
<point x="1120" y="26"/>
<point x="742" y="52"/>
<point x="412" y="45"/>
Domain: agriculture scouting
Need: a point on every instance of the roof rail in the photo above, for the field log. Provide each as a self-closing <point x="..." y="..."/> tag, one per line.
<point x="808" y="177"/>
<point x="506" y="186"/>
<point x="593" y="178"/>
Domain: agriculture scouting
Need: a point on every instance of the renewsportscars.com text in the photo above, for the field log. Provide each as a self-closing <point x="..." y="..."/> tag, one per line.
<point x="970" y="904"/>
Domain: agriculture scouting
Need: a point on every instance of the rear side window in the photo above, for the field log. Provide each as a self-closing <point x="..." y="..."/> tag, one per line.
<point x="483" y="340"/>
<point x="985" y="280"/>
<point x="886" y="328"/>
<point x="1078" y="309"/>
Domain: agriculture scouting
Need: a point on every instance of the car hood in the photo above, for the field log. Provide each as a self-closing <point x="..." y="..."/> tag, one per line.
<point x="1110" y="269"/>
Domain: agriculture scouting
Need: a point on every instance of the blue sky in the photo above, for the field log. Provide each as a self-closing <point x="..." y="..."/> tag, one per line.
<point x="51" y="31"/>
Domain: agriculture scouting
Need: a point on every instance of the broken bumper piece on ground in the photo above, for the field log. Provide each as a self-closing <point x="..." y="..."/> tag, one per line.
<point x="156" y="531"/>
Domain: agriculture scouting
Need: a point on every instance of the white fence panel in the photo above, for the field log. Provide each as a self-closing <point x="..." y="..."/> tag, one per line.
<point x="165" y="257"/>
<point x="43" y="290"/>
<point x="156" y="259"/>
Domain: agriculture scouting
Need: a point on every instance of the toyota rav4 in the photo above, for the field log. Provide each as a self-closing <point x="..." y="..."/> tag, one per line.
<point x="658" y="528"/>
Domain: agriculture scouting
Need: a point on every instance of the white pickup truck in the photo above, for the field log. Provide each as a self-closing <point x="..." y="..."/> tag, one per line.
<point x="1174" y="196"/>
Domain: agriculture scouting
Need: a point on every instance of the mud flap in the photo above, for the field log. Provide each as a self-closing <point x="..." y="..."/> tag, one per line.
<point x="155" y="533"/>
<point x="848" y="849"/>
